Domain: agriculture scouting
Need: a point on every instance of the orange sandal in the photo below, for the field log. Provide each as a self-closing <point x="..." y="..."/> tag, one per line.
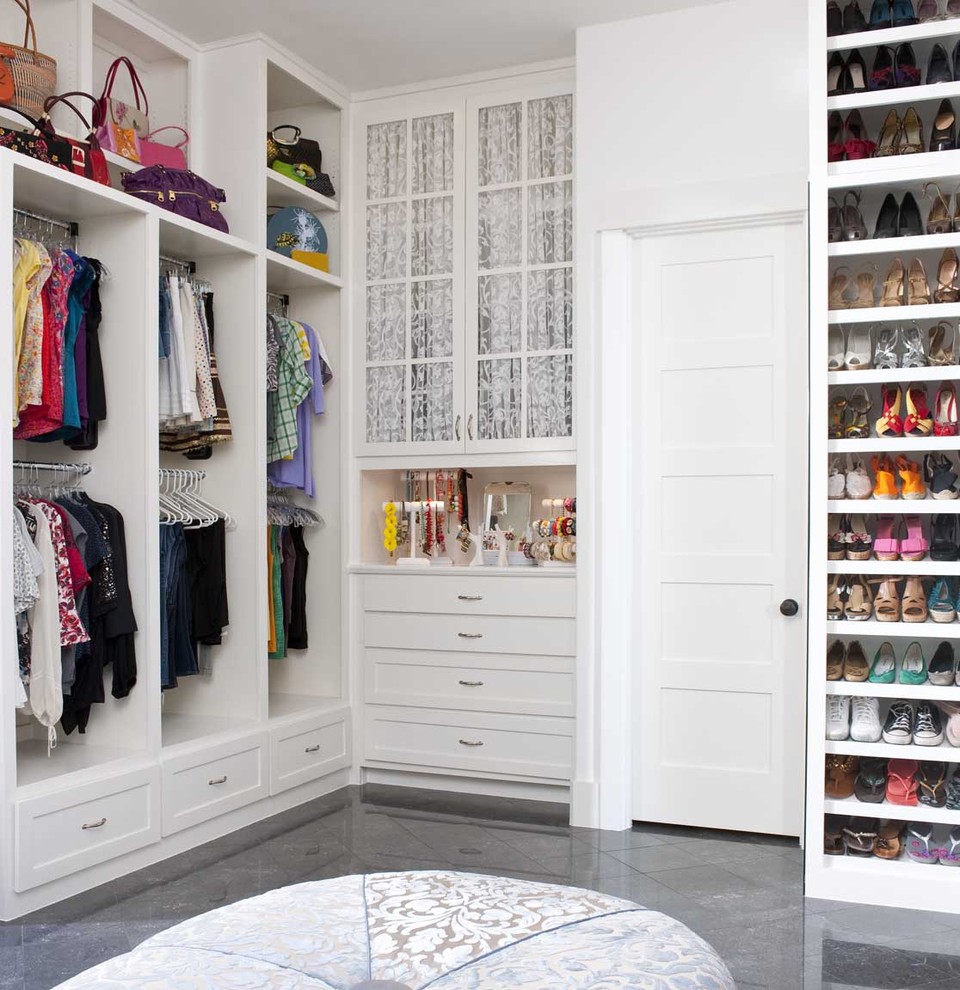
<point x="885" y="485"/>
<point x="909" y="471"/>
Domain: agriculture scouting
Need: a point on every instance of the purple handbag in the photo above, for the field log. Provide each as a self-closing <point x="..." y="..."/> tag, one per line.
<point x="180" y="191"/>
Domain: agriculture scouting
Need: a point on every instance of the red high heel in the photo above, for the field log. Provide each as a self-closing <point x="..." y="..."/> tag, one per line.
<point x="890" y="424"/>
<point x="918" y="422"/>
<point x="945" y="422"/>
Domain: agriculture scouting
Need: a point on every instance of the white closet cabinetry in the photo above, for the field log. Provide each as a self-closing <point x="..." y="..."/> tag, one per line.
<point x="466" y="338"/>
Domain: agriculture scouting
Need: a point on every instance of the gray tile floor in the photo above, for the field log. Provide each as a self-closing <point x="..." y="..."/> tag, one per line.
<point x="743" y="894"/>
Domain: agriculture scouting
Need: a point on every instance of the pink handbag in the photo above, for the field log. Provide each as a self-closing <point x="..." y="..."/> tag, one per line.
<point x="168" y="155"/>
<point x="118" y="124"/>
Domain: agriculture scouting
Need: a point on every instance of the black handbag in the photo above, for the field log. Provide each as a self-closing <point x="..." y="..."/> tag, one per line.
<point x="299" y="158"/>
<point x="41" y="142"/>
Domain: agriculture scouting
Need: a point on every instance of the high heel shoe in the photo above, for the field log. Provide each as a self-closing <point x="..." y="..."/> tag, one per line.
<point x="940" y="602"/>
<point x="911" y="135"/>
<point x="939" y="220"/>
<point x="854" y="229"/>
<point x="859" y="541"/>
<point x="913" y="353"/>
<point x="881" y="15"/>
<point x="885" y="352"/>
<point x="905" y="66"/>
<point x="857" y="357"/>
<point x="853" y="20"/>
<point x="947" y="289"/>
<point x="940" y="349"/>
<point x="859" y="604"/>
<point x="882" y="77"/>
<point x="853" y="79"/>
<point x="885" y="484"/>
<point x="943" y="136"/>
<point x="903" y="13"/>
<point x="835" y="152"/>
<point x="927" y="10"/>
<point x="943" y="542"/>
<point x="912" y="484"/>
<point x="836" y="479"/>
<point x="913" y="604"/>
<point x="941" y="477"/>
<point x="945" y="411"/>
<point x="886" y="602"/>
<point x="938" y="66"/>
<point x="893" y="285"/>
<point x="918" y="422"/>
<point x="856" y="424"/>
<point x="918" y="289"/>
<point x="888" y="142"/>
<point x="888" y="219"/>
<point x="836" y="538"/>
<point x="857" y="482"/>
<point x="856" y="142"/>
<point x="836" y="349"/>
<point x="835" y="598"/>
<point x="834" y="19"/>
<point x="914" y="545"/>
<point x="838" y="404"/>
<point x="835" y="222"/>
<point x="890" y="424"/>
<point x="835" y="68"/>
<point x="886" y="546"/>
<point x="909" y="223"/>
<point x="839" y="281"/>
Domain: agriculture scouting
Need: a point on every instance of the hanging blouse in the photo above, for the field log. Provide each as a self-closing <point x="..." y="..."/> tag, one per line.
<point x="293" y="386"/>
<point x="30" y="370"/>
<point x="27" y="566"/>
<point x="26" y="266"/>
<point x="71" y="628"/>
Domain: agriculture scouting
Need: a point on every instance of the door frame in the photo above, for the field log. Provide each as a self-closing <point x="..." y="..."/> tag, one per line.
<point x="608" y="226"/>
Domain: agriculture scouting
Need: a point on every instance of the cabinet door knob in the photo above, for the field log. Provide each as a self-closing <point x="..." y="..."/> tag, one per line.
<point x="313" y="749"/>
<point x="470" y="427"/>
<point x="472" y="683"/>
<point x="468" y="742"/>
<point x="470" y="635"/>
<point x="217" y="780"/>
<point x="789" y="606"/>
<point x="456" y="426"/>
<point x="98" y="824"/>
<point x="470" y="598"/>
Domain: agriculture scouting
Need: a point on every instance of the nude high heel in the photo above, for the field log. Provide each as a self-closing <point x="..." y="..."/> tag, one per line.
<point x="893" y="285"/>
<point x="940" y="350"/>
<point x="834" y="598"/>
<point x="866" y="288"/>
<point x="887" y="143"/>
<point x="939" y="220"/>
<point x="913" y="607"/>
<point x="856" y="424"/>
<point x="918" y="289"/>
<point x="886" y="603"/>
<point x="839" y="281"/>
<point x="859" y="604"/>
<point x="947" y="289"/>
<point x="910" y="141"/>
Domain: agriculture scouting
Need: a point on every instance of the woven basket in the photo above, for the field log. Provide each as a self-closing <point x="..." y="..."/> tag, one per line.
<point x="34" y="74"/>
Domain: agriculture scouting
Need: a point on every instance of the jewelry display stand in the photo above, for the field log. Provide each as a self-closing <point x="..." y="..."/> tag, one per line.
<point x="412" y="509"/>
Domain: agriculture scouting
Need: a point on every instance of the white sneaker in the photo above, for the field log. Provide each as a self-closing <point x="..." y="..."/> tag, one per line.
<point x="838" y="717"/>
<point x="865" y="721"/>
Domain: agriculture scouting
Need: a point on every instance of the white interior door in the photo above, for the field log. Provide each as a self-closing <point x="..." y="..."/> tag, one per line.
<point x="720" y="346"/>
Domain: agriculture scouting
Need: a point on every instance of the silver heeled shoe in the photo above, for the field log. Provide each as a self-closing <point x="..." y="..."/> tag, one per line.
<point x="914" y="354"/>
<point x="885" y="351"/>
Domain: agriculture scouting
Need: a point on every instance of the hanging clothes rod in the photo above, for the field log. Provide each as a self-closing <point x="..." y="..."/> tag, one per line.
<point x="190" y="266"/>
<point x="81" y="468"/>
<point x="176" y="474"/>
<point x="71" y="226"/>
<point x="284" y="300"/>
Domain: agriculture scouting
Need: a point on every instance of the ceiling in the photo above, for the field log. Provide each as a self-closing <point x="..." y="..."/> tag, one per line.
<point x="370" y="44"/>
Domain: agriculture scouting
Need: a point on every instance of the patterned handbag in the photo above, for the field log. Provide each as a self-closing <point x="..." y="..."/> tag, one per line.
<point x="86" y="157"/>
<point x="119" y="125"/>
<point x="27" y="77"/>
<point x="44" y="145"/>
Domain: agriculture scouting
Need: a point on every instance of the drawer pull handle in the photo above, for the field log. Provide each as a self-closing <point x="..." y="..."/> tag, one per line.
<point x="470" y="598"/>
<point x="98" y="824"/>
<point x="213" y="781"/>
<point x="313" y="749"/>
<point x="472" y="683"/>
<point x="467" y="742"/>
<point x="470" y="635"/>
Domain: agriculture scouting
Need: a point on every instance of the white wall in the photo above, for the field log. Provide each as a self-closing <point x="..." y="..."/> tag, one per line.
<point x="699" y="113"/>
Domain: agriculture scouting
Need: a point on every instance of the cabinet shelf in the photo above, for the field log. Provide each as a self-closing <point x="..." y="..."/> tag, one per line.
<point x="893" y="169"/>
<point x="895" y="314"/>
<point x="893" y="445"/>
<point x="282" y="191"/>
<point x="894" y="246"/>
<point x="888" y="630"/>
<point x="284" y="274"/>
<point x="880" y="376"/>
<point x="925" y="568"/>
<point x="34" y="765"/>
<point x="895" y="36"/>
<point x="895" y="692"/>
<point x="893" y="507"/>
<point x="188" y="240"/>
<point x="916" y="813"/>
<point x="896" y="97"/>
<point x="944" y="753"/>
<point x="178" y="729"/>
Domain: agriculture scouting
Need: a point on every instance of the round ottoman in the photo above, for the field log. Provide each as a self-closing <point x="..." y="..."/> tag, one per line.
<point x="448" y="931"/>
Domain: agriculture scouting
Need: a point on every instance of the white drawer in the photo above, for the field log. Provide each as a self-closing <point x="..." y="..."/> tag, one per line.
<point x="201" y="785"/>
<point x="518" y="745"/>
<point x="307" y="749"/>
<point x="466" y="595"/>
<point x="471" y="634"/>
<point x="524" y="685"/>
<point x="64" y="832"/>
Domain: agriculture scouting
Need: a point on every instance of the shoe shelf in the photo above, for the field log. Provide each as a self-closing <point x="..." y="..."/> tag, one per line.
<point x="895" y="97"/>
<point x="892" y="376"/>
<point x="895" y="314"/>
<point x="892" y="445"/>
<point x="895" y="692"/>
<point x="895" y="36"/>
<point x="887" y="630"/>
<point x="946" y="568"/>
<point x="893" y="246"/>
<point x="908" y="813"/>
<point x="933" y="890"/>
<point x="893" y="170"/>
<point x="893" y="507"/>
<point x="944" y="753"/>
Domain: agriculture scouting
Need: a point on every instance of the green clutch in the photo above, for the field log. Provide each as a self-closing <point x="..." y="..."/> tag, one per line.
<point x="290" y="171"/>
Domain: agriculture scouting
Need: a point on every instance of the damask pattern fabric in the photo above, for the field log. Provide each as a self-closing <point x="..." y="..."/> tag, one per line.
<point x="501" y="228"/>
<point x="386" y="404"/>
<point x="431" y="329"/>
<point x="550" y="396"/>
<point x="431" y="401"/>
<point x="550" y="223"/>
<point x="432" y="246"/>
<point x="387" y="160"/>
<point x="499" y="397"/>
<point x="386" y="322"/>
<point x="386" y="241"/>
<point x="500" y="141"/>
<point x="446" y="931"/>
<point x="500" y="313"/>
<point x="550" y="309"/>
<point x="432" y="156"/>
<point x="550" y="137"/>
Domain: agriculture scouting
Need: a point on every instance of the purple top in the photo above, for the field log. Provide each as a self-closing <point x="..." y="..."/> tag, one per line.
<point x="298" y="471"/>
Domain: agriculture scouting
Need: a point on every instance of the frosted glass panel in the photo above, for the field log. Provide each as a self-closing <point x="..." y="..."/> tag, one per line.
<point x="433" y="236"/>
<point x="500" y="313"/>
<point x="431" y="328"/>
<point x="387" y="160"/>
<point x="386" y="322"/>
<point x="550" y="137"/>
<point x="433" y="160"/>
<point x="501" y="229"/>
<point x="550" y="223"/>
<point x="550" y="396"/>
<point x="499" y="144"/>
<point x="431" y="401"/>
<point x="499" y="400"/>
<point x="386" y="407"/>
<point x="386" y="241"/>
<point x="550" y="310"/>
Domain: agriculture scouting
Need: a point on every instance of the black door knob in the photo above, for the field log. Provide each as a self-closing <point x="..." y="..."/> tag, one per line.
<point x="789" y="607"/>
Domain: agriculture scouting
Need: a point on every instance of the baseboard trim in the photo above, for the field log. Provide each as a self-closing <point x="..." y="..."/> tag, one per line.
<point x="468" y="785"/>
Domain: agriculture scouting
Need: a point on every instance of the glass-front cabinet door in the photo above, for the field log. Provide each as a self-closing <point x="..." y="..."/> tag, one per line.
<point x="413" y="286"/>
<point x="519" y="283"/>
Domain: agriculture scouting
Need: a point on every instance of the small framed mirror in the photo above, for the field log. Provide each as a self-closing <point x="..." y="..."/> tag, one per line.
<point x="507" y="505"/>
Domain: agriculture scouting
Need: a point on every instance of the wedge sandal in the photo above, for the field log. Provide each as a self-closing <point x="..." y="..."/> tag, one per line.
<point x="889" y="840"/>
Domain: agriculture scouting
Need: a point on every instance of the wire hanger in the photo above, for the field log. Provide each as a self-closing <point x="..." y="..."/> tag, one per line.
<point x="283" y="511"/>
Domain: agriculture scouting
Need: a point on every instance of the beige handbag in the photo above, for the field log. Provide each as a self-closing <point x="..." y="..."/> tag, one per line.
<point x="28" y="78"/>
